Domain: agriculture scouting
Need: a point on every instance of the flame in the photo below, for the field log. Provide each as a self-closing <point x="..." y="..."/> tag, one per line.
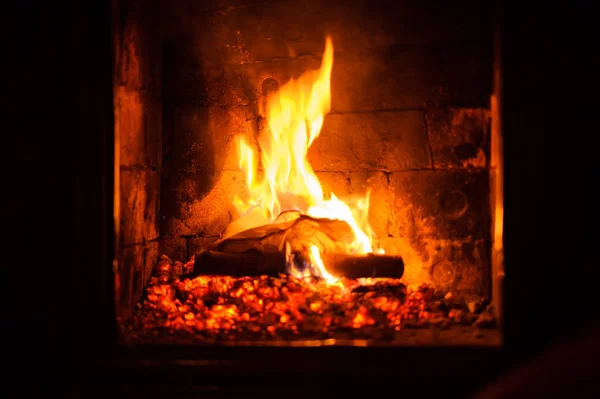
<point x="314" y="267"/>
<point x="295" y="116"/>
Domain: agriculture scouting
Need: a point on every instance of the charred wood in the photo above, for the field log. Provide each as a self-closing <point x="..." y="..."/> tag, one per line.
<point x="272" y="263"/>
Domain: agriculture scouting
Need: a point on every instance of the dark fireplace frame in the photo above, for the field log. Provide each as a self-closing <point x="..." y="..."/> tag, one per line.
<point x="83" y="332"/>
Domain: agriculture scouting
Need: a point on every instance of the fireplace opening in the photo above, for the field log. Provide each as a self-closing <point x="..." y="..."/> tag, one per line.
<point x="307" y="173"/>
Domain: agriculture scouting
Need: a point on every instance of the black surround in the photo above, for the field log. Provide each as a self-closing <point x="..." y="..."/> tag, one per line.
<point x="63" y="221"/>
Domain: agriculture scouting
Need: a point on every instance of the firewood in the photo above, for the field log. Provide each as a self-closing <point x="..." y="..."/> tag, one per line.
<point x="273" y="263"/>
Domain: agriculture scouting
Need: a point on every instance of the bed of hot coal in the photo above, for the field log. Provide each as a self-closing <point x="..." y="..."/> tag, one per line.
<point x="286" y="308"/>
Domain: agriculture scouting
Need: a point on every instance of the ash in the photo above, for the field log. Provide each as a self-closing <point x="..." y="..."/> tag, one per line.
<point x="286" y="308"/>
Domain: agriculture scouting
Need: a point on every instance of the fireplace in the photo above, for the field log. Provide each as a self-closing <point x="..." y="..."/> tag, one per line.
<point x="358" y="142"/>
<point x="62" y="268"/>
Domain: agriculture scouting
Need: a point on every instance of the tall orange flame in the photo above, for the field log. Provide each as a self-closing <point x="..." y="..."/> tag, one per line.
<point x="295" y="116"/>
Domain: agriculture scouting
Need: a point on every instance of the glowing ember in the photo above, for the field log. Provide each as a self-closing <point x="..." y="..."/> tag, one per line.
<point x="295" y="116"/>
<point x="286" y="307"/>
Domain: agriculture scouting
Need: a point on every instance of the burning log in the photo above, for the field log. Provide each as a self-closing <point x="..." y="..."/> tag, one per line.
<point x="255" y="263"/>
<point x="262" y="251"/>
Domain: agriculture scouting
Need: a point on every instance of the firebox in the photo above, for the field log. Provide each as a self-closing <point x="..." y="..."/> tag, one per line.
<point x="307" y="173"/>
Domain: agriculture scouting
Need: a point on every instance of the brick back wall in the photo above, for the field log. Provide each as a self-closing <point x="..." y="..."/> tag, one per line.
<point x="410" y="96"/>
<point x="138" y="126"/>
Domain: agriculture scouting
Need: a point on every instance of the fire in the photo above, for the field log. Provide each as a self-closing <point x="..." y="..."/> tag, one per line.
<point x="295" y="116"/>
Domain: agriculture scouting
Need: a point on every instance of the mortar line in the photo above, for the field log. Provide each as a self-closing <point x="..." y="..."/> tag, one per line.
<point x="142" y="243"/>
<point x="375" y="111"/>
<point x="373" y="51"/>
<point x="427" y="136"/>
